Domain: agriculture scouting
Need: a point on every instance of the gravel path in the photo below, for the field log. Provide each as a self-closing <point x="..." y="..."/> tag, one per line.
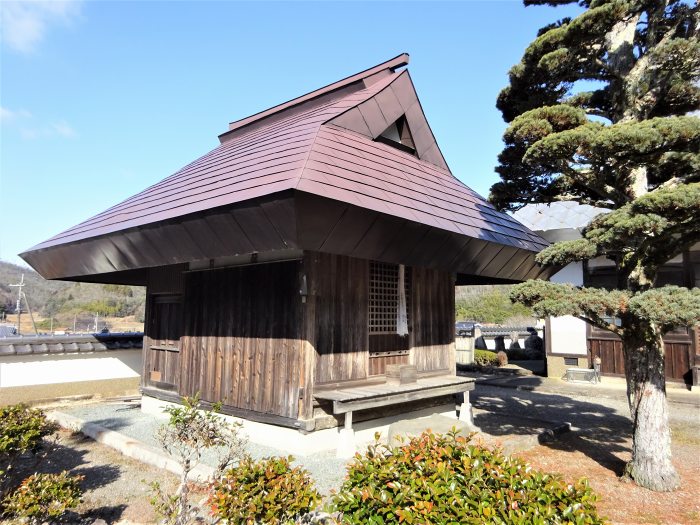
<point x="509" y="418"/>
<point x="127" y="418"/>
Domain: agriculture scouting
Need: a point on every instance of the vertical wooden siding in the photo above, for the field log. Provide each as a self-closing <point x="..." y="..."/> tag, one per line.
<point x="679" y="354"/>
<point x="433" y="320"/>
<point x="163" y="326"/>
<point x="340" y="286"/>
<point x="242" y="339"/>
<point x="162" y="341"/>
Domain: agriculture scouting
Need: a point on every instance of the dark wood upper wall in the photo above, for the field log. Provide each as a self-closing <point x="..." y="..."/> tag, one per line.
<point x="339" y="286"/>
<point x="163" y="327"/>
<point x="433" y="310"/>
<point x="242" y="337"/>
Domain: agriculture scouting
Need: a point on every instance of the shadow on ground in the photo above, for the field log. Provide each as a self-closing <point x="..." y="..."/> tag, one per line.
<point x="64" y="456"/>
<point x="599" y="432"/>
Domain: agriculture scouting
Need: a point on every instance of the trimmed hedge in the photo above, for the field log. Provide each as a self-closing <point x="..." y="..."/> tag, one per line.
<point x="485" y="358"/>
<point x="442" y="479"/>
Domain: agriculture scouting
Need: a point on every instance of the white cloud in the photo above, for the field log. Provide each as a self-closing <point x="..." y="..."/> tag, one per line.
<point x="30" y="129"/>
<point x="24" y="23"/>
<point x="63" y="129"/>
<point x="8" y="115"/>
<point x="54" y="129"/>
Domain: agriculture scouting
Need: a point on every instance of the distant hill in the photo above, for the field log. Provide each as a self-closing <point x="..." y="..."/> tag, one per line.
<point x="490" y="304"/>
<point x="64" y="300"/>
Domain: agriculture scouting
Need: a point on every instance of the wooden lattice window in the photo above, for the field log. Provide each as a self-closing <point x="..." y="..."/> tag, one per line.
<point x="384" y="297"/>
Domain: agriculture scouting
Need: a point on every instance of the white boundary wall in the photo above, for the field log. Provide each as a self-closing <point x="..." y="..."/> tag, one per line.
<point x="45" y="369"/>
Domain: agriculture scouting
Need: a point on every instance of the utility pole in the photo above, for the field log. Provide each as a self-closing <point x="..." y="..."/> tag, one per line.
<point x="21" y="294"/>
<point x="31" y="315"/>
<point x="19" y="304"/>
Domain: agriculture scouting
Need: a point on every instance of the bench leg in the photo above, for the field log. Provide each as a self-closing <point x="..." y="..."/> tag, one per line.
<point x="465" y="411"/>
<point x="346" y="439"/>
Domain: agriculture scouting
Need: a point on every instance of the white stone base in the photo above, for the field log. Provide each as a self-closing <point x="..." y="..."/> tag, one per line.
<point x="346" y="444"/>
<point x="291" y="441"/>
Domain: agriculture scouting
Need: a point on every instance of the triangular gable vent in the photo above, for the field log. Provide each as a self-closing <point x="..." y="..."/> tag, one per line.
<point x="387" y="115"/>
<point x="399" y="136"/>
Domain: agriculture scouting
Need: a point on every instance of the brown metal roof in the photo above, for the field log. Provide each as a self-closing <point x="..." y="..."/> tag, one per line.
<point x="321" y="144"/>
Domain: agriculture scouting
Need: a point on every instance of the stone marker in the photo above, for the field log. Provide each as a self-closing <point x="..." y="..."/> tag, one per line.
<point x="401" y="374"/>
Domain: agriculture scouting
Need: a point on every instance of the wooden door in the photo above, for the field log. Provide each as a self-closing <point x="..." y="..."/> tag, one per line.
<point x="162" y="342"/>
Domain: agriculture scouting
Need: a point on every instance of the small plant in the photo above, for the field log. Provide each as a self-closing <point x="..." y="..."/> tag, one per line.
<point x="267" y="491"/>
<point x="43" y="497"/>
<point x="187" y="435"/>
<point x="443" y="479"/>
<point x="502" y="358"/>
<point x="485" y="358"/>
<point x="22" y="433"/>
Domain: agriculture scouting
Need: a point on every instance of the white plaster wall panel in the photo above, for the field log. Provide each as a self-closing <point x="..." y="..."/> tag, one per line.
<point x="568" y="335"/>
<point x="23" y="370"/>
<point x="571" y="273"/>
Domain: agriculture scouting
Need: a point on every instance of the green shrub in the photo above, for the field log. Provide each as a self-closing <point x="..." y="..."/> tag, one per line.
<point x="44" y="496"/>
<point x="485" y="358"/>
<point x="266" y="491"/>
<point x="22" y="431"/>
<point x="443" y="479"/>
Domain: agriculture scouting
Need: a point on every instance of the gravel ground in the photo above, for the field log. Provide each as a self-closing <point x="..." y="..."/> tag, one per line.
<point x="512" y="418"/>
<point x="127" y="418"/>
<point x="507" y="429"/>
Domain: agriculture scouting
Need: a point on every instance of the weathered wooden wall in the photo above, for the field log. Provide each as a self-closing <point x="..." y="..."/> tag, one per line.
<point x="344" y="348"/>
<point x="339" y="286"/>
<point x="242" y="338"/>
<point x="250" y="338"/>
<point x="163" y="327"/>
<point x="433" y="309"/>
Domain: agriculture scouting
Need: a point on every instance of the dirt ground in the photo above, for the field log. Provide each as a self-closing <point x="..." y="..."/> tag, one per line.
<point x="578" y="455"/>
<point x="115" y="486"/>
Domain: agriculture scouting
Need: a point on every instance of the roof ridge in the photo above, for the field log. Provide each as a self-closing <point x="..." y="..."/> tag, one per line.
<point x="392" y="65"/>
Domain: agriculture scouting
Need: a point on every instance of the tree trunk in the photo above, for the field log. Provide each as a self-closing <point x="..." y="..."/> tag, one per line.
<point x="650" y="465"/>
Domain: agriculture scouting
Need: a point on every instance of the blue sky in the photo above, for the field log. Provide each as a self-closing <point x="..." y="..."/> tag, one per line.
<point x="102" y="99"/>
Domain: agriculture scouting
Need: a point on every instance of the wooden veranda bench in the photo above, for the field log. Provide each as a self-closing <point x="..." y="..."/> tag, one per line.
<point x="346" y="400"/>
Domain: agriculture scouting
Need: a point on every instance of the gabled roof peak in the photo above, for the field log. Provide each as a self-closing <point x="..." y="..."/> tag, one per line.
<point x="367" y="77"/>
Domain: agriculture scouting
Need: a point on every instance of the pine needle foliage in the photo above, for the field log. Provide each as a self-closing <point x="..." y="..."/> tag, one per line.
<point x="603" y="110"/>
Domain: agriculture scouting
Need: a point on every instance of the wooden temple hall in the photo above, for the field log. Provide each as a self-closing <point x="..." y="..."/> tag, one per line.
<point x="303" y="270"/>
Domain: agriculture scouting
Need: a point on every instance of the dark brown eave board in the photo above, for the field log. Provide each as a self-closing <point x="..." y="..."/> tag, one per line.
<point x="259" y="225"/>
<point x="387" y="238"/>
<point x="291" y="220"/>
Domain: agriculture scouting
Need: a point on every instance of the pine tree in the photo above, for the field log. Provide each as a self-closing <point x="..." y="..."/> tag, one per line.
<point x="602" y="110"/>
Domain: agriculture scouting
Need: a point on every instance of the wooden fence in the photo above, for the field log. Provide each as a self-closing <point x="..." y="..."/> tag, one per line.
<point x="679" y="348"/>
